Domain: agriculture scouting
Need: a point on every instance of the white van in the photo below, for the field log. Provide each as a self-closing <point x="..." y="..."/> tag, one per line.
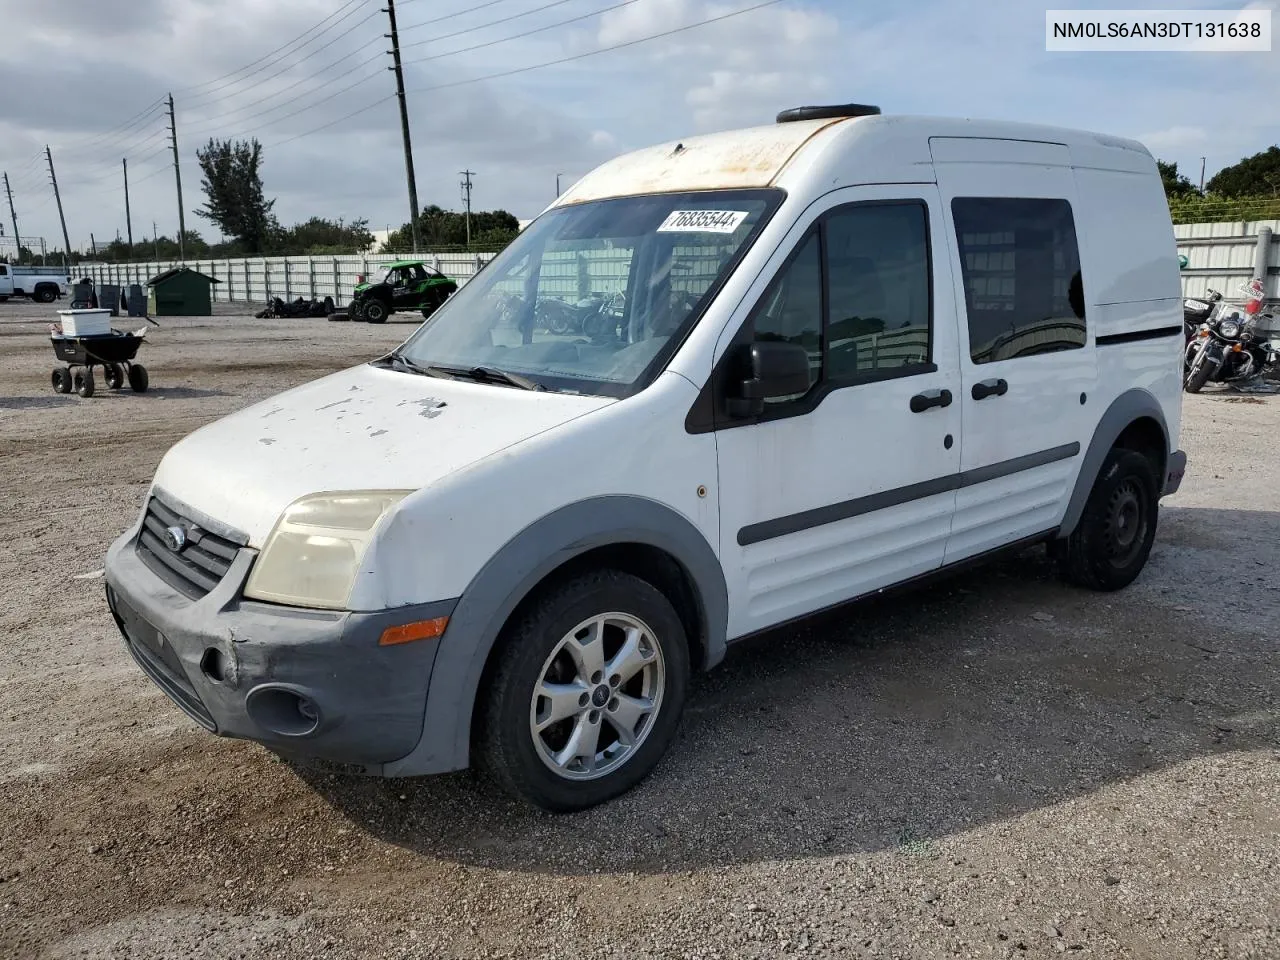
<point x="844" y="351"/>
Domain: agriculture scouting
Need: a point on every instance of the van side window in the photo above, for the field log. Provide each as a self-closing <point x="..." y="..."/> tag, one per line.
<point x="878" y="269"/>
<point x="1021" y="268"/>
<point x="791" y="310"/>
<point x="4" y="271"/>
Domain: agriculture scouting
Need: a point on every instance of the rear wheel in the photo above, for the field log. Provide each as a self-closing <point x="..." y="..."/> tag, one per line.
<point x="375" y="311"/>
<point x="114" y="376"/>
<point x="587" y="693"/>
<point x="84" y="382"/>
<point x="44" y="295"/>
<point x="138" y="379"/>
<point x="62" y="380"/>
<point x="1111" y="543"/>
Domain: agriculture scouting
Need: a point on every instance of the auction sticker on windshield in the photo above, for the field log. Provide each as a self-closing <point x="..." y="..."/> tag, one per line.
<point x="703" y="221"/>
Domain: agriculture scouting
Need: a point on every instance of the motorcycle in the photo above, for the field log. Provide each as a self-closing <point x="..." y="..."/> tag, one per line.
<point x="1197" y="311"/>
<point x="1229" y="347"/>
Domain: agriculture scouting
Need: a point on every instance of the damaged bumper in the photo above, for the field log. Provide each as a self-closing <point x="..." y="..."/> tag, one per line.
<point x="311" y="683"/>
<point x="1173" y="476"/>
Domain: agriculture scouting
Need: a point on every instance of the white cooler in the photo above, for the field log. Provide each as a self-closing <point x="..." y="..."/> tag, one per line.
<point x="85" y="323"/>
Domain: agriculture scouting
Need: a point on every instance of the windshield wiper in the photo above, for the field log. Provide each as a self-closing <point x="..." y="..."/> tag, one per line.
<point x="478" y="374"/>
<point x="491" y="375"/>
<point x="426" y="371"/>
<point x="494" y="375"/>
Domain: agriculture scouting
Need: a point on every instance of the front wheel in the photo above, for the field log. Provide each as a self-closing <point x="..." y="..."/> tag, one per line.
<point x="138" y="379"/>
<point x="1111" y="543"/>
<point x="1199" y="370"/>
<point x="115" y="376"/>
<point x="84" y="382"/>
<point x="375" y="311"/>
<point x="587" y="694"/>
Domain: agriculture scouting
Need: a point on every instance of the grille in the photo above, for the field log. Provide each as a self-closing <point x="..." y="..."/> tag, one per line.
<point x="202" y="563"/>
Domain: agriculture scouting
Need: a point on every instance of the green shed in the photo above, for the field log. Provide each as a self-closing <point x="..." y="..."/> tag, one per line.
<point x="180" y="292"/>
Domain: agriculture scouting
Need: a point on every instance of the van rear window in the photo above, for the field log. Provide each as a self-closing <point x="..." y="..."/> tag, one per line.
<point x="1022" y="282"/>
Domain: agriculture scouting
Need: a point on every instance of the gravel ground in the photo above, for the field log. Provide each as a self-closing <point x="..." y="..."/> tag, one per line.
<point x="997" y="766"/>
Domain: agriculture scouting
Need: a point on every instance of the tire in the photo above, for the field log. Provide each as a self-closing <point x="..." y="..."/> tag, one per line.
<point x="356" y="311"/>
<point x="44" y="295"/>
<point x="138" y="379"/>
<point x="114" y="376"/>
<point x="375" y="311"/>
<point x="84" y="383"/>
<point x="1198" y="376"/>
<point x="62" y="379"/>
<point x="1111" y="543"/>
<point x="522" y="761"/>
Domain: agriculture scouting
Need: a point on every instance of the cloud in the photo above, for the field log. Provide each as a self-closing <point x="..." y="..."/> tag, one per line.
<point x="85" y="69"/>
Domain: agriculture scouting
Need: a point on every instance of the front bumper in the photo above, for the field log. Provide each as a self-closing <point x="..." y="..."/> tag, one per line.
<point x="310" y="683"/>
<point x="1173" y="476"/>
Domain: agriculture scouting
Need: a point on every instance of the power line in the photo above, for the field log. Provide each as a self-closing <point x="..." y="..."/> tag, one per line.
<point x="482" y="26"/>
<point x="518" y="36"/>
<point x="592" y="53"/>
<point x="271" y="53"/>
<point x="528" y="69"/>
<point x="109" y="140"/>
<point x="262" y="113"/>
<point x="207" y="122"/>
<point x="258" y="80"/>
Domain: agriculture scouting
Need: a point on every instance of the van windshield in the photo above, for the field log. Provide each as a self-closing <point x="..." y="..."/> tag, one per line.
<point x="594" y="298"/>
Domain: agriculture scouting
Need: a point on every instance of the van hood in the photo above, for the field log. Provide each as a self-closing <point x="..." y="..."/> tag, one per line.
<point x="366" y="428"/>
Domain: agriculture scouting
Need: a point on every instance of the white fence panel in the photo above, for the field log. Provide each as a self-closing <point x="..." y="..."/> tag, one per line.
<point x="1221" y="256"/>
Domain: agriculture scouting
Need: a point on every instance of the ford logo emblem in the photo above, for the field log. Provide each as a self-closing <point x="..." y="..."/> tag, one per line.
<point x="175" y="538"/>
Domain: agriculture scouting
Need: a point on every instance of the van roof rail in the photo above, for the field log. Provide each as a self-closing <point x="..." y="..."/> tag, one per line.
<point x="830" y="112"/>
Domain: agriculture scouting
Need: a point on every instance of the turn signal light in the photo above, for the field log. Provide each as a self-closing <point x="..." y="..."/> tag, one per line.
<point x="1237" y="348"/>
<point x="419" y="630"/>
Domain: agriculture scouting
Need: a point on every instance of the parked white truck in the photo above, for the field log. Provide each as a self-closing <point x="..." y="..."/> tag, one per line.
<point x="41" y="284"/>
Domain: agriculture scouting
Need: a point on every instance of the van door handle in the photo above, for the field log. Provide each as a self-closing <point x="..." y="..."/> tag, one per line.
<point x="929" y="399"/>
<point x="990" y="388"/>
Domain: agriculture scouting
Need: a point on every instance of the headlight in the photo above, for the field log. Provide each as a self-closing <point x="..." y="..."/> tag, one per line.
<point x="314" y="552"/>
<point x="1229" y="329"/>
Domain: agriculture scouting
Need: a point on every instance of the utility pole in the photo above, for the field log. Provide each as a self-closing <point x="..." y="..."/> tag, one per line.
<point x="1202" y="174"/>
<point x="156" y="234"/>
<point x="17" y="239"/>
<point x="128" y="218"/>
<point x="177" y="176"/>
<point x="394" y="36"/>
<point x="558" y="176"/>
<point x="66" y="256"/>
<point x="93" y="246"/>
<point x="466" y="196"/>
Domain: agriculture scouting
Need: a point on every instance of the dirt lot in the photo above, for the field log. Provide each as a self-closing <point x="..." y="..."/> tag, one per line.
<point x="998" y="766"/>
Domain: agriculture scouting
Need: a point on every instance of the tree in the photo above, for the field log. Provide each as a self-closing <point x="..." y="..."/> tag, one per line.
<point x="1256" y="176"/>
<point x="437" y="227"/>
<point x="234" y="198"/>
<point x="1176" y="186"/>
<point x="319" y="236"/>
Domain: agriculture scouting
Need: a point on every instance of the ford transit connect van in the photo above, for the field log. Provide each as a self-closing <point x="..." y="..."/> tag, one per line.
<point x="838" y="353"/>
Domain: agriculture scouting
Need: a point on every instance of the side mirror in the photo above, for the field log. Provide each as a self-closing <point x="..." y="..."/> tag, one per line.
<point x="769" y="370"/>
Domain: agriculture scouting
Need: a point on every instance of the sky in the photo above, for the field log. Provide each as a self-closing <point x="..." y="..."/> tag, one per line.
<point x="88" y="80"/>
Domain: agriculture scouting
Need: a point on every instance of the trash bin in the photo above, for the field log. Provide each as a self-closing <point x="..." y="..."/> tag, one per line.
<point x="109" y="297"/>
<point x="137" y="301"/>
<point x="82" y="296"/>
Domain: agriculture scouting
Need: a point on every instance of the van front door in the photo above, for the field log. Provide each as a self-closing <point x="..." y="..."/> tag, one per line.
<point x="1028" y="369"/>
<point x="849" y="487"/>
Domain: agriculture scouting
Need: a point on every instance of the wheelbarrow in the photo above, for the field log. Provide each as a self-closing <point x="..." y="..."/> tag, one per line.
<point x="114" y="352"/>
